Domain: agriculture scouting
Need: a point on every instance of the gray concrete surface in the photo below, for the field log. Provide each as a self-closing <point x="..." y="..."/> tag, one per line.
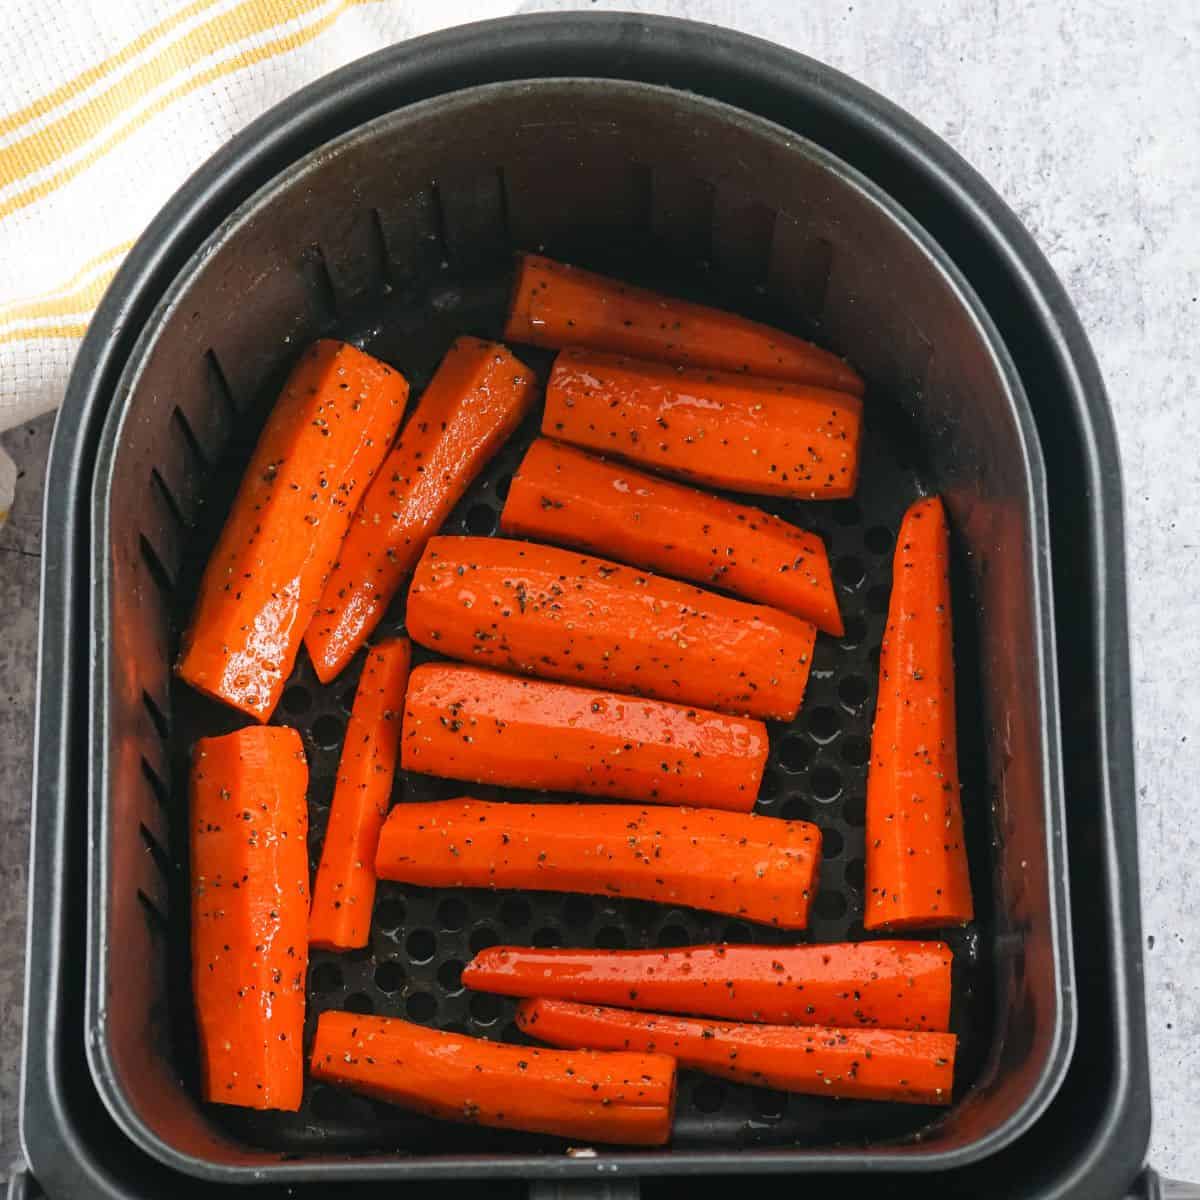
<point x="1086" y="117"/>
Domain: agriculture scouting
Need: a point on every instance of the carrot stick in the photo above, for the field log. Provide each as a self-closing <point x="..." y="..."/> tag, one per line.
<point x="249" y="867"/>
<point x="850" y="1064"/>
<point x="478" y="396"/>
<point x="560" y="494"/>
<point x="896" y="985"/>
<point x="760" y="868"/>
<point x="464" y="723"/>
<point x="325" y="438"/>
<point x="344" y="889"/>
<point x="557" y="305"/>
<point x="743" y="433"/>
<point x="521" y="606"/>
<point x="592" y="1096"/>
<point x="916" y="860"/>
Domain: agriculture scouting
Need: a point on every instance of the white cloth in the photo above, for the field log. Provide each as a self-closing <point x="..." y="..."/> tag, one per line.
<point x="106" y="106"/>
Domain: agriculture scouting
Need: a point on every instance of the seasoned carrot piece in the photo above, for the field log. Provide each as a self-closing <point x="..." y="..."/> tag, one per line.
<point x="743" y="433"/>
<point x="325" y="438"/>
<point x="561" y="494"/>
<point x="249" y="871"/>
<point x="521" y="606"/>
<point x="898" y="985"/>
<point x="585" y="1095"/>
<point x="478" y="396"/>
<point x="916" y="860"/>
<point x="461" y="722"/>
<point x="760" y="868"/>
<point x="557" y="305"/>
<point x="851" y="1064"/>
<point x="344" y="890"/>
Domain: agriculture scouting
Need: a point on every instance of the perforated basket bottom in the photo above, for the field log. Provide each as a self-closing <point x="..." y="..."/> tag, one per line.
<point x="421" y="938"/>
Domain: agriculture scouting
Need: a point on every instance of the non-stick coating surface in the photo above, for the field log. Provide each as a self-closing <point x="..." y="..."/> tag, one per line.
<point x="420" y="938"/>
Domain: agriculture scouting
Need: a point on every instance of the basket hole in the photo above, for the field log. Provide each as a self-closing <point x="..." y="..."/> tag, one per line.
<point x="854" y="811"/>
<point x="483" y="937"/>
<point x="856" y="751"/>
<point x="826" y="784"/>
<point x="823" y="724"/>
<point x="878" y="539"/>
<point x="830" y="906"/>
<point x="672" y="935"/>
<point x="360" y="1003"/>
<point x="327" y="731"/>
<point x="480" y="520"/>
<point x="389" y="976"/>
<point x="847" y="512"/>
<point x="421" y="1006"/>
<point x="485" y="1008"/>
<point x="516" y="912"/>
<point x="849" y="572"/>
<point x="546" y="937"/>
<point x="326" y="977"/>
<point x="855" y="873"/>
<point x="795" y="753"/>
<point x="877" y="599"/>
<point x="296" y="699"/>
<point x="855" y="630"/>
<point x="452" y="914"/>
<point x="449" y="976"/>
<point x="770" y="1104"/>
<point x="853" y="691"/>
<point x="832" y="843"/>
<point x="577" y="911"/>
<point x="421" y="945"/>
<point x="708" y="1096"/>
<point x="389" y="914"/>
<point x="611" y="937"/>
<point x="794" y="809"/>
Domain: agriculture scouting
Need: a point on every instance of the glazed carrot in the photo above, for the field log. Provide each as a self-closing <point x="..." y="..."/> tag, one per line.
<point x="557" y="305"/>
<point x="249" y="871"/>
<point x="344" y="889"/>
<point x="896" y="985"/>
<point x="478" y="396"/>
<point x="760" y="868"/>
<point x="850" y="1064"/>
<point x="464" y="723"/>
<point x="521" y="606"/>
<point x="582" y="1094"/>
<point x="325" y="438"/>
<point x="743" y="433"/>
<point x="560" y="494"/>
<point x="916" y="859"/>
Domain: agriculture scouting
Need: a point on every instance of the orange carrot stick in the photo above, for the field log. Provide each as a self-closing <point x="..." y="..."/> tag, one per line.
<point x="560" y="494"/>
<point x="325" y="438"/>
<point x="557" y="305"/>
<point x="595" y="1097"/>
<point x="850" y="1064"/>
<point x="896" y="985"/>
<point x="916" y="860"/>
<point x="521" y="606"/>
<point x="760" y="868"/>
<point x="344" y="890"/>
<point x="743" y="433"/>
<point x="478" y="396"/>
<point x="249" y="867"/>
<point x="482" y="727"/>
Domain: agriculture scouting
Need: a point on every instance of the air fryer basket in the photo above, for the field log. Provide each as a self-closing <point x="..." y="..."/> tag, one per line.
<point x="399" y="236"/>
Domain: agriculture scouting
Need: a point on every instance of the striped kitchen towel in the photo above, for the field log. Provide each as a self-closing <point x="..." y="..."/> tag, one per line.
<point x="105" y="107"/>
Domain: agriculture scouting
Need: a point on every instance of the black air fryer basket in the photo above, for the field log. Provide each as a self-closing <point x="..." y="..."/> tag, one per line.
<point x="383" y="205"/>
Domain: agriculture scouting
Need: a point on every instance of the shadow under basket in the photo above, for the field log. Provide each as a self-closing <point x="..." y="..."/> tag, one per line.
<point x="399" y="236"/>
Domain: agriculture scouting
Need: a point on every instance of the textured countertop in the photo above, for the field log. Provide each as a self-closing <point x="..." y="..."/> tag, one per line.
<point x="1084" y="116"/>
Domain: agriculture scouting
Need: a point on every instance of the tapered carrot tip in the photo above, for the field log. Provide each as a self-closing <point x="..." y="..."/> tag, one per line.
<point x="916" y="868"/>
<point x="556" y="305"/>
